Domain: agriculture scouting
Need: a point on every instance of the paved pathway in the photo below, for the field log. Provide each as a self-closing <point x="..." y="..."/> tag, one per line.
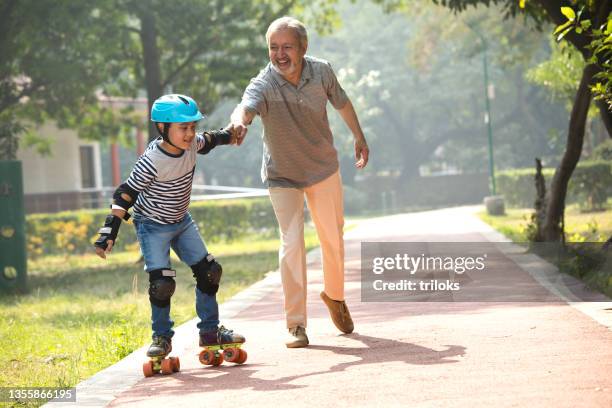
<point x="556" y="353"/>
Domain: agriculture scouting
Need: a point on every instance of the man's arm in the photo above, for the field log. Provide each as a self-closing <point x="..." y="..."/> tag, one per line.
<point x="361" y="146"/>
<point x="240" y="119"/>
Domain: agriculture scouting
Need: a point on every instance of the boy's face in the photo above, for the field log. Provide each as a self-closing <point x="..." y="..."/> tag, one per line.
<point x="181" y="134"/>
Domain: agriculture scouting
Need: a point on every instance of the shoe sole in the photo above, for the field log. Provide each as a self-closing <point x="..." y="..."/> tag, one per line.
<point x="297" y="344"/>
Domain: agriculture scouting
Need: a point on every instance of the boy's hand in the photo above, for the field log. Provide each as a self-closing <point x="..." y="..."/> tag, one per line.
<point x="230" y="128"/>
<point x="101" y="252"/>
<point x="108" y="235"/>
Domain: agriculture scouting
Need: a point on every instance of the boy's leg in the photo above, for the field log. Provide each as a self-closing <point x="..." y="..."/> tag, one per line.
<point x="288" y="204"/>
<point x="192" y="250"/>
<point x="154" y="242"/>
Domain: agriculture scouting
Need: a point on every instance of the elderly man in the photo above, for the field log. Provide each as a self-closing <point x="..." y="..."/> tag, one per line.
<point x="290" y="95"/>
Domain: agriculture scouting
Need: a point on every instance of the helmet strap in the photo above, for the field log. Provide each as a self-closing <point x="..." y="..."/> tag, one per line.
<point x="164" y="135"/>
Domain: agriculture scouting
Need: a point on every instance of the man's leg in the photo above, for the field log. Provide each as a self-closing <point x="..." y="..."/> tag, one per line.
<point x="288" y="204"/>
<point x="326" y="208"/>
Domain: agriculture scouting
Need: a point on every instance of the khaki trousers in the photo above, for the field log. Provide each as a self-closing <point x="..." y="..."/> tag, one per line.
<point x="324" y="201"/>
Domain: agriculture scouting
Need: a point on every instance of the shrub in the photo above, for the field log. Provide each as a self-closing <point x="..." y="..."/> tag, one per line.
<point x="592" y="182"/>
<point x="603" y="151"/>
<point x="590" y="185"/>
<point x="73" y="232"/>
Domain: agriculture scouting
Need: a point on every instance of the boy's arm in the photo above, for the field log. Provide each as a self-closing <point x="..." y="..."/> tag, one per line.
<point x="124" y="198"/>
<point x="213" y="138"/>
<point x="108" y="232"/>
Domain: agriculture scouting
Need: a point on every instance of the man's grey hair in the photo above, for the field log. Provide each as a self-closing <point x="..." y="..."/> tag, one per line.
<point x="288" y="23"/>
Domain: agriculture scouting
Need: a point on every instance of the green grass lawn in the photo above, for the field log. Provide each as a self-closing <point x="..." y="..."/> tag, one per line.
<point x="579" y="226"/>
<point x="83" y="313"/>
<point x="582" y="259"/>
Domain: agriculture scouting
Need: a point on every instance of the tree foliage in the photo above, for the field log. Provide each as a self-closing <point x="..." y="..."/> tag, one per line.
<point x="421" y="99"/>
<point x="61" y="57"/>
<point x="51" y="63"/>
<point x="600" y="47"/>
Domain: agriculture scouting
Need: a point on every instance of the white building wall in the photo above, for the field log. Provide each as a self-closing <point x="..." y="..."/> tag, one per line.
<point x="61" y="170"/>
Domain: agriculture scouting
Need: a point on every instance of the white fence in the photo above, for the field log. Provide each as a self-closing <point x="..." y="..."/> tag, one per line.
<point x="101" y="197"/>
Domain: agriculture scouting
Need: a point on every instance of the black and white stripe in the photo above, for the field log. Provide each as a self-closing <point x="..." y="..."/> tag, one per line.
<point x="164" y="182"/>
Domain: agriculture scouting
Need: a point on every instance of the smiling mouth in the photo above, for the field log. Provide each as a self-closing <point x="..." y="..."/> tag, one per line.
<point x="283" y="62"/>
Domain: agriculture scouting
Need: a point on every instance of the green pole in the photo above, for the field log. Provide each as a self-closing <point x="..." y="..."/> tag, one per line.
<point x="13" y="259"/>
<point x="488" y="118"/>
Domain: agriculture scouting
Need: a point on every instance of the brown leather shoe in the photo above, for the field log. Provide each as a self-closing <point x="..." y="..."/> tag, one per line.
<point x="297" y="337"/>
<point x="339" y="313"/>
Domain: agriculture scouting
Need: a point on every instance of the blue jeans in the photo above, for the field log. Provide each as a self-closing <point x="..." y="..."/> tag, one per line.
<point x="184" y="238"/>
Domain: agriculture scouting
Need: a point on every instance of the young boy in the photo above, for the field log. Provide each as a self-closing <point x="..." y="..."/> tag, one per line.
<point x="159" y="189"/>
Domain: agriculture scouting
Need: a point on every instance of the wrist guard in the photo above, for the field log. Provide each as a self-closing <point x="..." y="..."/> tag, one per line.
<point x="215" y="138"/>
<point x="109" y="231"/>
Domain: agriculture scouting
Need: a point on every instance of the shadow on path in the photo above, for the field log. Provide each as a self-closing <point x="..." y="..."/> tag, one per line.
<point x="224" y="378"/>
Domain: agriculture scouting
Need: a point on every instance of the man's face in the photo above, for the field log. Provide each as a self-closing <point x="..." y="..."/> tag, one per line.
<point x="286" y="52"/>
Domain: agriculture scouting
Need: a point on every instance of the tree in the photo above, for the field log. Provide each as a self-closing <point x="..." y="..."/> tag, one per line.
<point x="597" y="11"/>
<point x="207" y="49"/>
<point x="601" y="45"/>
<point x="50" y="64"/>
<point x="420" y="100"/>
<point x="64" y="56"/>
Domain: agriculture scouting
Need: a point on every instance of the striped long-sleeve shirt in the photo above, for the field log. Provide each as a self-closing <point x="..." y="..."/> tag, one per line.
<point x="164" y="180"/>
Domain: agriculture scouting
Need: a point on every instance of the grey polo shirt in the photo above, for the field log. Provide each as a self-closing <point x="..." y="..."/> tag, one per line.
<point x="298" y="144"/>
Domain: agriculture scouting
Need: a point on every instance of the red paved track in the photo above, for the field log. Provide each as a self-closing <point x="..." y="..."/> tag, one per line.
<point x="545" y="354"/>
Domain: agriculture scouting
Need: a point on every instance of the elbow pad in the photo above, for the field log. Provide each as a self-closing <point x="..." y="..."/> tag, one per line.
<point x="119" y="200"/>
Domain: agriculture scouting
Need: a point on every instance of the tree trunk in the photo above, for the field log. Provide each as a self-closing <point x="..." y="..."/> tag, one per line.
<point x="540" y="202"/>
<point x="150" y="51"/>
<point x="558" y="190"/>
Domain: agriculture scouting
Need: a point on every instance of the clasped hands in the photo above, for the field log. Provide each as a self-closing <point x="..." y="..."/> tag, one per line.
<point x="237" y="131"/>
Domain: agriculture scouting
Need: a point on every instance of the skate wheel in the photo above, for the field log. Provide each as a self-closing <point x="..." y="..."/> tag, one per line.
<point x="167" y="366"/>
<point x="176" y="364"/>
<point x="207" y="357"/>
<point x="243" y="356"/>
<point x="147" y="369"/>
<point x="231" y="354"/>
<point x="218" y="360"/>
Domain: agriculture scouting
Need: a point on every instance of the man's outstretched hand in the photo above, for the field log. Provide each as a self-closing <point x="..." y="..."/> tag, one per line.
<point x="362" y="153"/>
<point x="240" y="130"/>
<point x="237" y="131"/>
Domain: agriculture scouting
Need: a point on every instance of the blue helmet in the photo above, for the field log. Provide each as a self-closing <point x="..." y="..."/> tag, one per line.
<point x="175" y="108"/>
